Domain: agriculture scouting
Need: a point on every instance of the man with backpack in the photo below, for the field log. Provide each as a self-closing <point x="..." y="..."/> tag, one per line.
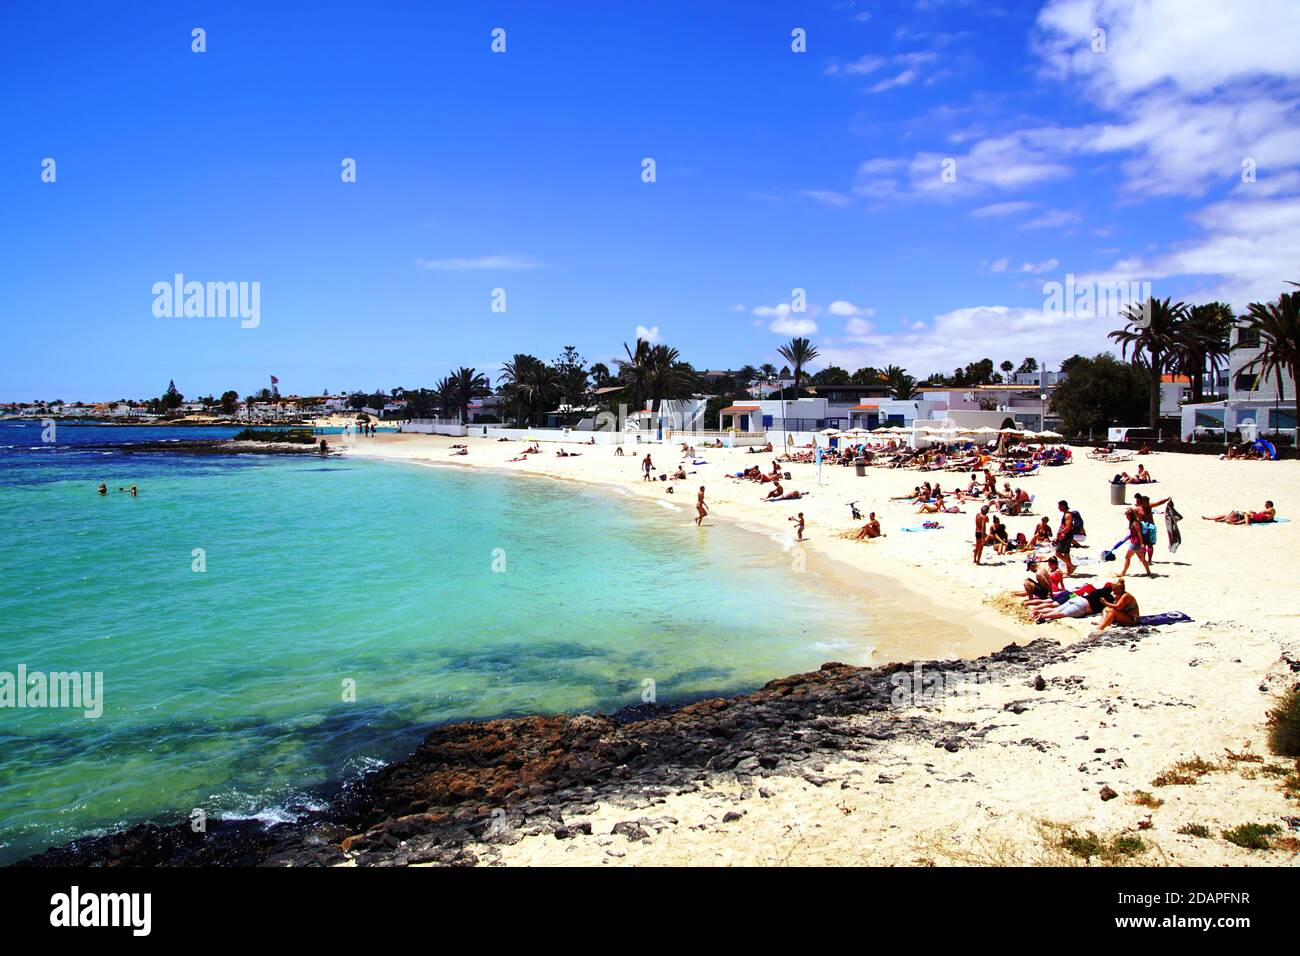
<point x="1071" y="528"/>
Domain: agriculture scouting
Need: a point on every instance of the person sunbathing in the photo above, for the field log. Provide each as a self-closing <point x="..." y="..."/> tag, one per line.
<point x="998" y="536"/>
<point x="871" y="529"/>
<point x="937" y="506"/>
<point x="1123" y="611"/>
<point x="1269" y="514"/>
<point x="679" y="474"/>
<point x="463" y="451"/>
<point x="776" y="492"/>
<point x="1143" y="477"/>
<point x="914" y="497"/>
<point x="1081" y="603"/>
<point x="1042" y="533"/>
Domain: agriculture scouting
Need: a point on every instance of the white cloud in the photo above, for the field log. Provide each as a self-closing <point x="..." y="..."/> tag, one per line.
<point x="1248" y="251"/>
<point x="859" y="67"/>
<point x="828" y="197"/>
<point x="650" y="335"/>
<point x="1190" y="79"/>
<point x="955" y="338"/>
<point x="997" y="265"/>
<point x="1195" y="46"/>
<point x="481" y="262"/>
<point x="1038" y="268"/>
<point x="789" y="326"/>
<point x="1002" y="209"/>
<point x="784" y="321"/>
<point x="857" y="328"/>
<point x="843" y="308"/>
<point x="1051" y="219"/>
<point x="904" y="78"/>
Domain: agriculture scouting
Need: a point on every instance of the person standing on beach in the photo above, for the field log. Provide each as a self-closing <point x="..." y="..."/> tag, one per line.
<point x="799" y="526"/>
<point x="1065" y="536"/>
<point x="646" y="467"/>
<point x="701" y="510"/>
<point x="1136" y="543"/>
<point x="1146" y="511"/>
<point x="981" y="524"/>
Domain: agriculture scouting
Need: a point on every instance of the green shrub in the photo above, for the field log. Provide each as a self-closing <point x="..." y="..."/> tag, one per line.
<point x="1251" y="836"/>
<point x="1284" y="726"/>
<point x="1196" y="830"/>
<point x="1088" y="845"/>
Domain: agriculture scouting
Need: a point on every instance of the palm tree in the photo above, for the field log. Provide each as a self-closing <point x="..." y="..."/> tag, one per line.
<point x="1205" y="340"/>
<point x="600" y="376"/>
<point x="901" y="385"/>
<point x="445" y="391"/>
<point x="468" y="384"/>
<point x="1278" y="326"/>
<point x="541" y="385"/>
<point x="798" y="352"/>
<point x="513" y="382"/>
<point x="633" y="370"/>
<point x="1153" y="330"/>
<point x="667" y="377"/>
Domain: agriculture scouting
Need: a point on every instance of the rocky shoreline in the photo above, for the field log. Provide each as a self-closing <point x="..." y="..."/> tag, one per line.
<point x="473" y="786"/>
<point x="211" y="446"/>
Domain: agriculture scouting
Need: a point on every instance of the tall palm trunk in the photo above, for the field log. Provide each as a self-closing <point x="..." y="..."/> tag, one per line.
<point x="1153" y="408"/>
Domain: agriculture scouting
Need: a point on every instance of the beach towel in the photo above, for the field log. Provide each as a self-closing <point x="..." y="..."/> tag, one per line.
<point x="699" y="461"/>
<point x="1172" y="517"/>
<point x="1168" y="617"/>
<point x="928" y="526"/>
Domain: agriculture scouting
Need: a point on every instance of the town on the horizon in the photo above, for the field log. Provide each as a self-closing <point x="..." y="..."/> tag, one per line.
<point x="1194" y="369"/>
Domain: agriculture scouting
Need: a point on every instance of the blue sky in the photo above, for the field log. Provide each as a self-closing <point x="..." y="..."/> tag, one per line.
<point x="776" y="170"/>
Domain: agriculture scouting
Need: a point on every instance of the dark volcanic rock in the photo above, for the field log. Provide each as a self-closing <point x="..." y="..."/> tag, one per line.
<point x="469" y="785"/>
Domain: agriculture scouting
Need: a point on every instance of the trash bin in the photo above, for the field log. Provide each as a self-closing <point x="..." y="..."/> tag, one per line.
<point x="1118" y="493"/>
<point x="861" y="468"/>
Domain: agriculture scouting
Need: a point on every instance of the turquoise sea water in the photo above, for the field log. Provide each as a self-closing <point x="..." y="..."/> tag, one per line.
<point x="224" y="690"/>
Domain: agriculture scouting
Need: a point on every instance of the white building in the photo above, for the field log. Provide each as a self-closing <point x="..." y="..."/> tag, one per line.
<point x="1253" y="400"/>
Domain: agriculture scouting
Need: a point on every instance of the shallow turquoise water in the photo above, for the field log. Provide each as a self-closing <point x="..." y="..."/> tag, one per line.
<point x="225" y="689"/>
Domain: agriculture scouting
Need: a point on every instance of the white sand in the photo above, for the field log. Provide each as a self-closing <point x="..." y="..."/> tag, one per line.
<point x="1193" y="689"/>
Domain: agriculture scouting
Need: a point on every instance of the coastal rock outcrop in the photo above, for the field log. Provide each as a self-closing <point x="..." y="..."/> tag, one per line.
<point x="471" y="785"/>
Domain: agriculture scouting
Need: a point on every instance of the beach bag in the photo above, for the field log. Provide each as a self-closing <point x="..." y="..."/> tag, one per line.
<point x="1077" y="525"/>
<point x="1148" y="532"/>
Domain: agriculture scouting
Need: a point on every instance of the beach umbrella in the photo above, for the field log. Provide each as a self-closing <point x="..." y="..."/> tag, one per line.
<point x="1050" y="434"/>
<point x="829" y="431"/>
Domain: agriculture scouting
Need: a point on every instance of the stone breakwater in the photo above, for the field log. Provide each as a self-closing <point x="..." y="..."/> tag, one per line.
<point x="210" y="446"/>
<point x="472" y="786"/>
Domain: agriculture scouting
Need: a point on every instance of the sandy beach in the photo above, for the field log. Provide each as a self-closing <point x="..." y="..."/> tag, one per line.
<point x="1080" y="745"/>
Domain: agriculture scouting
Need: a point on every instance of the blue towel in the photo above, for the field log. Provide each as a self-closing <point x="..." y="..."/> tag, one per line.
<point x="1169" y="617"/>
